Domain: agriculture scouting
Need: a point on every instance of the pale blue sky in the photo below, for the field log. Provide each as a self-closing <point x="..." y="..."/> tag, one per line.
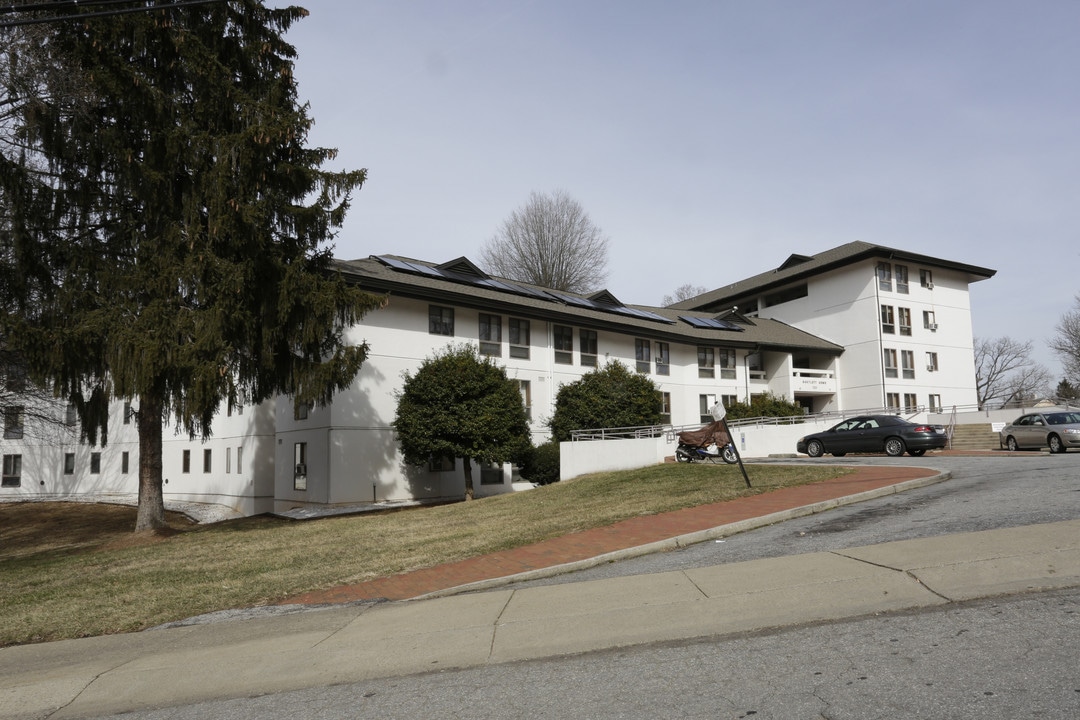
<point x="710" y="140"/>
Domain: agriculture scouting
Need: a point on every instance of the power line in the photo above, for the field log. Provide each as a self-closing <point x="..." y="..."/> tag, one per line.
<point x="75" y="4"/>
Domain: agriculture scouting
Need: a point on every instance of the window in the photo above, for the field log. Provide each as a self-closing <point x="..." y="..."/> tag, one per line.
<point x="884" y="276"/>
<point x="95" y="463"/>
<point x="755" y="365"/>
<point x="726" y="360"/>
<point x="905" y="320"/>
<point x="13" y="422"/>
<point x="935" y="403"/>
<point x="441" y="463"/>
<point x="705" y="403"/>
<point x="185" y="463"/>
<point x="124" y="463"/>
<point x="663" y="358"/>
<point x="237" y="408"/>
<point x="228" y="461"/>
<point x="911" y="403"/>
<point x="440" y="320"/>
<point x="71" y="415"/>
<point x="519" y="338"/>
<point x="729" y="400"/>
<point x="907" y="359"/>
<point x="300" y="411"/>
<point x="926" y="279"/>
<point x="929" y="320"/>
<point x="525" y="388"/>
<point x="706" y="362"/>
<point x="12" y="476"/>
<point x="888" y="323"/>
<point x="69" y="463"/>
<point x="563" y="340"/>
<point x="239" y="459"/>
<point x="787" y="295"/>
<point x="665" y="406"/>
<point x="206" y="460"/>
<point x="901" y="279"/>
<point x="890" y="363"/>
<point x="300" y="466"/>
<point x="931" y="361"/>
<point x="491" y="335"/>
<point x="127" y="412"/>
<point x="588" y="348"/>
<point x="643" y="355"/>
<point x="892" y="401"/>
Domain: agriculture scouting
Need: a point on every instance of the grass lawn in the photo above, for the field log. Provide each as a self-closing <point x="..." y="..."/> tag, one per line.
<point x="72" y="570"/>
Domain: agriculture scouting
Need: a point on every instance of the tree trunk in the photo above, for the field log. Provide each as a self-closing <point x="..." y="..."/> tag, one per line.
<point x="468" y="478"/>
<point x="151" y="515"/>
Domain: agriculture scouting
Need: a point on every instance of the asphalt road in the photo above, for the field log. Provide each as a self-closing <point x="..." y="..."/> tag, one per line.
<point x="1009" y="657"/>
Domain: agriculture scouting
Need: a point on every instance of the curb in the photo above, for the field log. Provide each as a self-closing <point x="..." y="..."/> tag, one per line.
<point x="688" y="539"/>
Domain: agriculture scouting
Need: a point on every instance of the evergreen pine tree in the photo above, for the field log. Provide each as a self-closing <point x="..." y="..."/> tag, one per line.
<point x="164" y="230"/>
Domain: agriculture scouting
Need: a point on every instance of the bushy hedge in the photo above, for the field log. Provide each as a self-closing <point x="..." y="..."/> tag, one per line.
<point x="609" y="397"/>
<point x="767" y="405"/>
<point x="541" y="464"/>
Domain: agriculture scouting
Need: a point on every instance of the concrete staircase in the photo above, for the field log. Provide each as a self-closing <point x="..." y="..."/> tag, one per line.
<point x="978" y="436"/>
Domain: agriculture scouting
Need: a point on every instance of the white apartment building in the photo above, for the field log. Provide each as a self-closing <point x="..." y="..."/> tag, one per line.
<point x="860" y="326"/>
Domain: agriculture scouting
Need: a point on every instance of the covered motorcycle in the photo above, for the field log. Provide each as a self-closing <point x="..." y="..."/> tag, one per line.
<point x="707" y="444"/>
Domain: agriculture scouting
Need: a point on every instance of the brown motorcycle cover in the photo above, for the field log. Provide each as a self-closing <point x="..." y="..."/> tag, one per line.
<point x="714" y="432"/>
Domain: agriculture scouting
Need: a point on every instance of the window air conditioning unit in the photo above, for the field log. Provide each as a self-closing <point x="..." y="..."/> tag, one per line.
<point x="929" y="286"/>
<point x="930" y="368"/>
<point x="301" y="469"/>
<point x="933" y="326"/>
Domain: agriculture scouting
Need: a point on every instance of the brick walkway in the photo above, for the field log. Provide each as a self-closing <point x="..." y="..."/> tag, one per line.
<point x="620" y="536"/>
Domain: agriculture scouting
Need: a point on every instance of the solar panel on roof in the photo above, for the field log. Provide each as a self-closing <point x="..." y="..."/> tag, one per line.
<point x="710" y="323"/>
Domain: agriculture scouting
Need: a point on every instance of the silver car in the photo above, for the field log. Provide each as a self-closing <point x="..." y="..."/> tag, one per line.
<point x="1058" y="431"/>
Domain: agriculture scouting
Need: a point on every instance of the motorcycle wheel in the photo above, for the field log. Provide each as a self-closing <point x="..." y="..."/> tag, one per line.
<point x="683" y="456"/>
<point x="729" y="454"/>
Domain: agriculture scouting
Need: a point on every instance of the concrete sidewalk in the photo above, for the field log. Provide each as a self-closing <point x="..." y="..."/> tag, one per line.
<point x="364" y="640"/>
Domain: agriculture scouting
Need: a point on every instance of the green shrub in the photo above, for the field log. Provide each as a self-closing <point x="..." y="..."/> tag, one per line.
<point x="542" y="464"/>
<point x="608" y="397"/>
<point x="767" y="405"/>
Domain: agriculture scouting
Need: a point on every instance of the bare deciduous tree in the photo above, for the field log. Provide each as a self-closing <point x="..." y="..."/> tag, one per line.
<point x="551" y="242"/>
<point x="1005" y="372"/>
<point x="683" y="292"/>
<point x="1067" y="342"/>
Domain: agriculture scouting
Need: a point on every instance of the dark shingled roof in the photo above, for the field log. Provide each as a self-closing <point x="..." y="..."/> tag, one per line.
<point x="799" y="267"/>
<point x="456" y="283"/>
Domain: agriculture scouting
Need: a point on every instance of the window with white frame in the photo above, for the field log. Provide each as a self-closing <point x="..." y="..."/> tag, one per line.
<point x="519" y="338"/>
<point x="904" y="317"/>
<point x="729" y="400"/>
<point x="643" y="355"/>
<point x="926" y="279"/>
<point x="888" y="322"/>
<point x="889" y="356"/>
<point x="929" y="319"/>
<point x="892" y="401"/>
<point x="705" y="403"/>
<point x="935" y="403"/>
<point x="907" y="359"/>
<point x="525" y="388"/>
<point x="95" y="463"/>
<point x="207" y="458"/>
<point x="13" y="422"/>
<point x="663" y="358"/>
<point x="71" y="415"/>
<point x="911" y="403"/>
<point x="884" y="276"/>
<point x="69" y="463"/>
<point x="726" y="360"/>
<point x="300" y="466"/>
<point x="239" y="459"/>
<point x="490" y="333"/>
<point x="228" y="461"/>
<point x="12" y="474"/>
<point x="563" y="342"/>
<point x="440" y="320"/>
<point x="931" y="361"/>
<point x="901" y="279"/>
<point x="665" y="406"/>
<point x="706" y="362"/>
<point x="588" y="347"/>
<point x="185" y="462"/>
<point x="125" y="463"/>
